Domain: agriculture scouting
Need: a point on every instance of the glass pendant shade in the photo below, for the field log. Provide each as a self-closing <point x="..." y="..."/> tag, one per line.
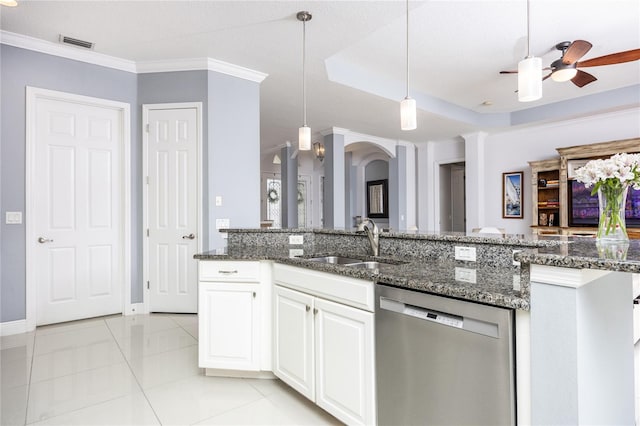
<point x="408" y="114"/>
<point x="529" y="79"/>
<point x="564" y="74"/>
<point x="304" y="138"/>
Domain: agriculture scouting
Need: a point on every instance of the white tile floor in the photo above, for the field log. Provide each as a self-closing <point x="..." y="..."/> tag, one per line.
<point x="136" y="370"/>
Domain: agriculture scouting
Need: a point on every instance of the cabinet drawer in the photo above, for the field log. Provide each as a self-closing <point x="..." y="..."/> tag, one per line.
<point x="227" y="271"/>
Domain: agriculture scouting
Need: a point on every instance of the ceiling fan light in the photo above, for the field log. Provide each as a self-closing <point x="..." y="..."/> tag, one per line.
<point x="408" y="114"/>
<point x="530" y="79"/>
<point x="565" y="74"/>
<point x="304" y="138"/>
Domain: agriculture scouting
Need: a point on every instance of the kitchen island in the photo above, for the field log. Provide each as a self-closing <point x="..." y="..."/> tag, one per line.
<point x="574" y="315"/>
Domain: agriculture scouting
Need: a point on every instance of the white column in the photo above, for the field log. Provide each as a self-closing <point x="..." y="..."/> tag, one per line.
<point x="333" y="207"/>
<point x="474" y="157"/>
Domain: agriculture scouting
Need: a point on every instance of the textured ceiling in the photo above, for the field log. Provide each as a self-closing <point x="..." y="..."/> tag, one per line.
<point x="457" y="49"/>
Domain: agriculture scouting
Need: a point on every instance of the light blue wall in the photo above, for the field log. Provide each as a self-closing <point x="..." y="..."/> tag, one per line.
<point x="172" y="87"/>
<point x="376" y="170"/>
<point x="233" y="153"/>
<point x="21" y="68"/>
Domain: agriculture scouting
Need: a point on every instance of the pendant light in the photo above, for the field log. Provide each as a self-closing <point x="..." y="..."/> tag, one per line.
<point x="529" y="73"/>
<point x="408" y="105"/>
<point x="304" y="132"/>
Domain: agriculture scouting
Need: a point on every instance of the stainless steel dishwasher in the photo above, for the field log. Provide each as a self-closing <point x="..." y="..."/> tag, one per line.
<point x="443" y="361"/>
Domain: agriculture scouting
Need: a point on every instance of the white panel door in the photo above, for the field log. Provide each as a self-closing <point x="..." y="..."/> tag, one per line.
<point x="172" y="211"/>
<point x="293" y="340"/>
<point x="77" y="211"/>
<point x="345" y="374"/>
<point x="229" y="326"/>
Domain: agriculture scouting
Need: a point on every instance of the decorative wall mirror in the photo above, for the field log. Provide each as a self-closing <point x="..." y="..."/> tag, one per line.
<point x="378" y="198"/>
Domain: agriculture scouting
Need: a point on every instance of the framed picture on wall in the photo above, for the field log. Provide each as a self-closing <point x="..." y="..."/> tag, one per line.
<point x="512" y="195"/>
<point x="378" y="198"/>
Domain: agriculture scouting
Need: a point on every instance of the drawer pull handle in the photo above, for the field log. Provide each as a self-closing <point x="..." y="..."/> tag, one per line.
<point x="227" y="272"/>
<point x="308" y="308"/>
<point x="254" y="294"/>
<point x="315" y="311"/>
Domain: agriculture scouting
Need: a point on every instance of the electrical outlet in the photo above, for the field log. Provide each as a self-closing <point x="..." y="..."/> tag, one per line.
<point x="295" y="252"/>
<point x="466" y="275"/>
<point x="465" y="253"/>
<point x="296" y="239"/>
<point x="222" y="223"/>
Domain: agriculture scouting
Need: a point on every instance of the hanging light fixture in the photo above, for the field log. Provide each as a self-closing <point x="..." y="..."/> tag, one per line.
<point x="304" y="132"/>
<point x="408" y="105"/>
<point x="529" y="73"/>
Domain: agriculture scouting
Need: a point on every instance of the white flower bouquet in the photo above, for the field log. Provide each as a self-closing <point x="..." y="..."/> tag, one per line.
<point x="611" y="179"/>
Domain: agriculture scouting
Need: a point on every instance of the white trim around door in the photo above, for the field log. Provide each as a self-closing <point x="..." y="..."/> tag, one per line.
<point x="33" y="95"/>
<point x="145" y="192"/>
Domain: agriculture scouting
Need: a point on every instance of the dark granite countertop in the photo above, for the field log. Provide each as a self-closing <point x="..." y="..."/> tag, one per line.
<point x="504" y="287"/>
<point x="586" y="254"/>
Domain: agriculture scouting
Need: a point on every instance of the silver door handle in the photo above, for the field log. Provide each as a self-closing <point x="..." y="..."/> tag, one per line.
<point x="188" y="237"/>
<point x="43" y="240"/>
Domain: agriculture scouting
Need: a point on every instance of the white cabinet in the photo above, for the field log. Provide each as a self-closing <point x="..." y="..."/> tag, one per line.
<point x="293" y="335"/>
<point x="229" y="326"/>
<point x="345" y="370"/>
<point x="234" y="316"/>
<point x="324" y="349"/>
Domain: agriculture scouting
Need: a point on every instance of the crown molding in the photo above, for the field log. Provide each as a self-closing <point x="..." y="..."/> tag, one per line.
<point x="68" y="52"/>
<point x="196" y="64"/>
<point x="95" y="58"/>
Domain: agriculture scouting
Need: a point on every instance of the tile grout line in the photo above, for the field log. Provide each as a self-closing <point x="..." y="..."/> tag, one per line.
<point x="33" y="355"/>
<point x="133" y="374"/>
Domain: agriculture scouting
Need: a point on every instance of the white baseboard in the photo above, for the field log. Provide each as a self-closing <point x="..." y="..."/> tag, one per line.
<point x="13" y="327"/>
<point x="135" y="309"/>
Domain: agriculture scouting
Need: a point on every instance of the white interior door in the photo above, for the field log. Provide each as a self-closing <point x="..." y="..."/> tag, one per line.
<point x="77" y="212"/>
<point x="172" y="209"/>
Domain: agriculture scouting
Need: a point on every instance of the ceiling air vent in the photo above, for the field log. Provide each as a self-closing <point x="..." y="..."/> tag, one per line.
<point x="76" y="42"/>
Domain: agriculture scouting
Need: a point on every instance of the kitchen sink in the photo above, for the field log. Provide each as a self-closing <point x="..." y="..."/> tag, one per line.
<point x="336" y="260"/>
<point x="368" y="265"/>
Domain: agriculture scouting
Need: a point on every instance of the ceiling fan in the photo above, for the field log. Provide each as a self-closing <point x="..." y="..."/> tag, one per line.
<point x="566" y="68"/>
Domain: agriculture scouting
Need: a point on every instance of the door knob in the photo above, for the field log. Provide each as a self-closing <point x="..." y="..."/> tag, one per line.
<point x="188" y="237"/>
<point x="43" y="240"/>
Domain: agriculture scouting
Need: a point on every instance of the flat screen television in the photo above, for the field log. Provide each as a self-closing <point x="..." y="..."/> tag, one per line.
<point x="583" y="207"/>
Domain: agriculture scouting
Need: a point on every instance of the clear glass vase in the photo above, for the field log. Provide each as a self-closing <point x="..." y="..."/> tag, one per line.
<point x="612" y="226"/>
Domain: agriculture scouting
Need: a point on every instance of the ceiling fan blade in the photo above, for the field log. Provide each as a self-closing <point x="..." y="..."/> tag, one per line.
<point x="614" y="58"/>
<point x="575" y="51"/>
<point x="583" y="78"/>
<point x="509" y="72"/>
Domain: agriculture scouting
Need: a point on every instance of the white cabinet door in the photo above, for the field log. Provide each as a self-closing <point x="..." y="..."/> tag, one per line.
<point x="229" y="326"/>
<point x="345" y="362"/>
<point x="293" y="339"/>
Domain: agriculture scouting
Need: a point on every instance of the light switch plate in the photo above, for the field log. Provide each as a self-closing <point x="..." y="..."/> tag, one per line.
<point x="13" y="218"/>
<point x="218" y="200"/>
<point x="296" y="239"/>
<point x="465" y="253"/>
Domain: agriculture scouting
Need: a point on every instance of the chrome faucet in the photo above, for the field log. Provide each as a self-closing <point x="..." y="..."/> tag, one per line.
<point x="373" y="233"/>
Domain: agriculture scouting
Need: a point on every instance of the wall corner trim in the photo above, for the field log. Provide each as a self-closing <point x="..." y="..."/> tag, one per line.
<point x="95" y="58"/>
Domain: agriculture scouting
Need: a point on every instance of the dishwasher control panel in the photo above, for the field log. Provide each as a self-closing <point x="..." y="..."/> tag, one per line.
<point x="422" y="313"/>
